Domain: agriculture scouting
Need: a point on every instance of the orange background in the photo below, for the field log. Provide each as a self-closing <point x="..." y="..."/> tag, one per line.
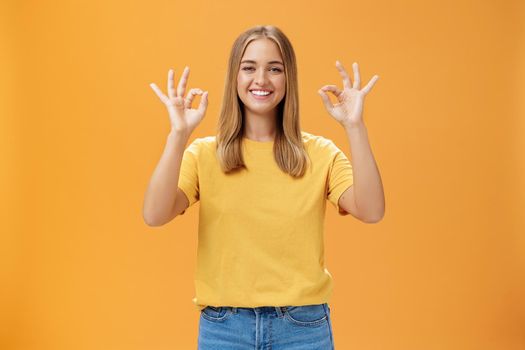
<point x="82" y="132"/>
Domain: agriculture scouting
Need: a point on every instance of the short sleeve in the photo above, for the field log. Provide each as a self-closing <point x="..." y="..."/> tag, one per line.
<point x="189" y="174"/>
<point x="340" y="177"/>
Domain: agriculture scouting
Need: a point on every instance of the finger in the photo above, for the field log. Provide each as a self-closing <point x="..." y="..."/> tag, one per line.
<point x="370" y="84"/>
<point x="357" y="77"/>
<point x="346" y="79"/>
<point x="333" y="89"/>
<point x="159" y="93"/>
<point x="204" y="102"/>
<point x="326" y="100"/>
<point x="171" y="89"/>
<point x="181" y="89"/>
<point x="191" y="95"/>
<point x="179" y="102"/>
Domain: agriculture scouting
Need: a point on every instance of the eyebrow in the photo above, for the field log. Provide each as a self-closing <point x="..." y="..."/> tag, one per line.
<point x="270" y="62"/>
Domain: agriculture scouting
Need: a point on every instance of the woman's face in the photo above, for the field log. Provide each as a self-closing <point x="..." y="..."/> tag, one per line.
<point x="261" y="69"/>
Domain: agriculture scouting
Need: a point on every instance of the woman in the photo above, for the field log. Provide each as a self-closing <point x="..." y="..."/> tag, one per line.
<point x="262" y="184"/>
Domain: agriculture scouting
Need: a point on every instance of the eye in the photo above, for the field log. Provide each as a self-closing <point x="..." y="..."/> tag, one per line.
<point x="274" y="69"/>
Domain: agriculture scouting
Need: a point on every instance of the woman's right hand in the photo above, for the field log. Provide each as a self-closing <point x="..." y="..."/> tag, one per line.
<point x="183" y="118"/>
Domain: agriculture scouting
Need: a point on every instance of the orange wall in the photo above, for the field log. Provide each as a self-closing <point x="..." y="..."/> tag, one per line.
<point x="81" y="132"/>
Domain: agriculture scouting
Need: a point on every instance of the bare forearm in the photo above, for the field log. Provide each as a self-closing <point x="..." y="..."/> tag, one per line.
<point x="368" y="188"/>
<point x="162" y="188"/>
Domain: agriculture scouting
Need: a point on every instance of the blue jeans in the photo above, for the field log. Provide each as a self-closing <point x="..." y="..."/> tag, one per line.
<point x="306" y="327"/>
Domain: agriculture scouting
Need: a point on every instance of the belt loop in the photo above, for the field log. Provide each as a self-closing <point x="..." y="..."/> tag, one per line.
<point x="234" y="310"/>
<point x="280" y="310"/>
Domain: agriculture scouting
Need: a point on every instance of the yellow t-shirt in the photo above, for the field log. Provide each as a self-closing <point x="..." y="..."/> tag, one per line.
<point x="260" y="230"/>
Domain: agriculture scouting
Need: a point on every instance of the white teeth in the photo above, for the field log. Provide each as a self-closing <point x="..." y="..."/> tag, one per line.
<point x="260" y="93"/>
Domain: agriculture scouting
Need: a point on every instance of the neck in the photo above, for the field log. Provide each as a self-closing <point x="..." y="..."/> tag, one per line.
<point x="260" y="127"/>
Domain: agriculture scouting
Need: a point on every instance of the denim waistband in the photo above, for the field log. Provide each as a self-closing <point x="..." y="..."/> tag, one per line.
<point x="279" y="310"/>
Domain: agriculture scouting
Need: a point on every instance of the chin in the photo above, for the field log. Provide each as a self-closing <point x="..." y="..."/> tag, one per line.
<point x="259" y="111"/>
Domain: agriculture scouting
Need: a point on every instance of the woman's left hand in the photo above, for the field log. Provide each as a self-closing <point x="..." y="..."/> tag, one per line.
<point x="349" y="110"/>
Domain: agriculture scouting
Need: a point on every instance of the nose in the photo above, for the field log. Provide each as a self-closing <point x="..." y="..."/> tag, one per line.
<point x="260" y="77"/>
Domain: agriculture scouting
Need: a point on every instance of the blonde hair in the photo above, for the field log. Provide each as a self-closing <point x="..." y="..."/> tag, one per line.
<point x="288" y="148"/>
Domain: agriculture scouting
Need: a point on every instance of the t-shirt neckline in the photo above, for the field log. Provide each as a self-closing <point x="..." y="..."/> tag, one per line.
<point x="258" y="144"/>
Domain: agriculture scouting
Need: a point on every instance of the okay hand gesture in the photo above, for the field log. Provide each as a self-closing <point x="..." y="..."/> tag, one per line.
<point x="182" y="116"/>
<point x="349" y="109"/>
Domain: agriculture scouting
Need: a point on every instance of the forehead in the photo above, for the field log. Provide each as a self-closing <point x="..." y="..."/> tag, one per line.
<point x="262" y="51"/>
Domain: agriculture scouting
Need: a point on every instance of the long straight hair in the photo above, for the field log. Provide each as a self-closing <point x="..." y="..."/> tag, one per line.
<point x="288" y="148"/>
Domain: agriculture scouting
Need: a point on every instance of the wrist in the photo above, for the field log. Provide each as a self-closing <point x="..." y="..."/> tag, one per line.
<point x="178" y="136"/>
<point x="354" y="126"/>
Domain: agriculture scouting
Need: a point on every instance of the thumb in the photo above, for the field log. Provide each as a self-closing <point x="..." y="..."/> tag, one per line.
<point x="204" y="102"/>
<point x="326" y="99"/>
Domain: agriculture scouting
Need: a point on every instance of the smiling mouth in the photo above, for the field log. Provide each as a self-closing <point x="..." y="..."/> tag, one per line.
<point x="260" y="97"/>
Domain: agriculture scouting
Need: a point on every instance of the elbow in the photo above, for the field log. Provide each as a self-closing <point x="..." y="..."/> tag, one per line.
<point x="373" y="219"/>
<point x="370" y="221"/>
<point x="151" y="221"/>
